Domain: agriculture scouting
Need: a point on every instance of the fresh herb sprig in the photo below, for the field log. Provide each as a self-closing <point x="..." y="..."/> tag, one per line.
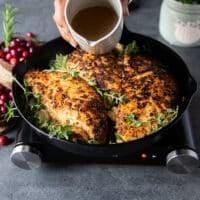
<point x="11" y="111"/>
<point x="119" y="138"/>
<point x="93" y="141"/>
<point x="113" y="97"/>
<point x="131" y="119"/>
<point x="8" y="23"/>
<point x="163" y="119"/>
<point x="59" y="65"/>
<point x="54" y="129"/>
<point x="132" y="48"/>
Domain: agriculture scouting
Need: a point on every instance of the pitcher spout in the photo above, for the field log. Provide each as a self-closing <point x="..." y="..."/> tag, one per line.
<point x="92" y="43"/>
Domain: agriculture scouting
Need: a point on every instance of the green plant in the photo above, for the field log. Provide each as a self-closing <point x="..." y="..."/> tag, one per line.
<point x="8" y="23"/>
<point x="190" y="1"/>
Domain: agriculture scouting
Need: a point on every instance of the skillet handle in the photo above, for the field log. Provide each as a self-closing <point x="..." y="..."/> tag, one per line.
<point x="26" y="153"/>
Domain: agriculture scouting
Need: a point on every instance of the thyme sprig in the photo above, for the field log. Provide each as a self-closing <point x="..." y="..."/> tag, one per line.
<point x="11" y="111"/>
<point x="132" y="48"/>
<point x="92" y="141"/>
<point x="112" y="96"/>
<point x="8" y="23"/>
<point x="59" y="65"/>
<point x="119" y="138"/>
<point x="131" y="119"/>
<point x="54" y="129"/>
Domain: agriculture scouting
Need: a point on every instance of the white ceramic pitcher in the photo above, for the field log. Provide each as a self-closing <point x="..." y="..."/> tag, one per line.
<point x="107" y="42"/>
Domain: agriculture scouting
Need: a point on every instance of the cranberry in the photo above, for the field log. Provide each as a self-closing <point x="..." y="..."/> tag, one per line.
<point x="13" y="52"/>
<point x="25" y="54"/>
<point x="1" y="102"/>
<point x="6" y="50"/>
<point x="3" y="97"/>
<point x="29" y="34"/>
<point x="18" y="40"/>
<point x="20" y="49"/>
<point x="10" y="95"/>
<point x="13" y="61"/>
<point x="3" y="140"/>
<point x="13" y="43"/>
<point x="31" y="49"/>
<point x="1" y="54"/>
<point x="29" y="44"/>
<point x="8" y="56"/>
<point x="23" y="43"/>
<point x="3" y="109"/>
<point x="21" y="59"/>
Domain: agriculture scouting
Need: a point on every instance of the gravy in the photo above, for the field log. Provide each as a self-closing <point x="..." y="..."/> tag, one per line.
<point x="94" y="22"/>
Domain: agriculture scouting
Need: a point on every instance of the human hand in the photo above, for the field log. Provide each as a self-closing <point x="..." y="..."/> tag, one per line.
<point x="59" y="6"/>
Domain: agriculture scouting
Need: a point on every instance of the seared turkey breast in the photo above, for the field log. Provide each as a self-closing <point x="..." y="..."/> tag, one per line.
<point x="150" y="91"/>
<point x="70" y="101"/>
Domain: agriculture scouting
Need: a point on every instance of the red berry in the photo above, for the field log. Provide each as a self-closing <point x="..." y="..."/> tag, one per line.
<point x="1" y="54"/>
<point x="25" y="54"/>
<point x="1" y="102"/>
<point x="18" y="39"/>
<point x="8" y="56"/>
<point x="31" y="49"/>
<point x="3" y="140"/>
<point x="29" y="34"/>
<point x="13" y="61"/>
<point x="6" y="50"/>
<point x="13" y="52"/>
<point x="3" y="97"/>
<point x="19" y="49"/>
<point x="21" y="59"/>
<point x="13" y="43"/>
<point x="3" y="109"/>
<point x="10" y="95"/>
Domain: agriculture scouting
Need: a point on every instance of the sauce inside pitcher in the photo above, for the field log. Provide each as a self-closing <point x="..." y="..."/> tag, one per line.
<point x="94" y="22"/>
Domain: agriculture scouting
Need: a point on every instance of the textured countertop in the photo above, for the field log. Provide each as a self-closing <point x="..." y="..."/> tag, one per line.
<point x="98" y="181"/>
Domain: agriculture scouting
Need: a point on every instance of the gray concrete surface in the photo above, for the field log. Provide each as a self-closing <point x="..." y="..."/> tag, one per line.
<point x="97" y="181"/>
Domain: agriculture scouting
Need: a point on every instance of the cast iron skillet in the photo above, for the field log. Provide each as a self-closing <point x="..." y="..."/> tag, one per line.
<point x="40" y="59"/>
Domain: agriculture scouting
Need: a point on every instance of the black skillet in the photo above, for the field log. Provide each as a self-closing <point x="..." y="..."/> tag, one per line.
<point x="40" y="60"/>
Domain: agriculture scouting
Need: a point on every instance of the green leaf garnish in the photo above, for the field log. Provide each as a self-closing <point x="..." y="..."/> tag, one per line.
<point x="93" y="141"/>
<point x="190" y="1"/>
<point x="131" y="48"/>
<point x="54" y="129"/>
<point x="113" y="97"/>
<point x="118" y="137"/>
<point x="58" y="63"/>
<point x="92" y="82"/>
<point x="11" y="111"/>
<point x="131" y="119"/>
<point x="8" y="23"/>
